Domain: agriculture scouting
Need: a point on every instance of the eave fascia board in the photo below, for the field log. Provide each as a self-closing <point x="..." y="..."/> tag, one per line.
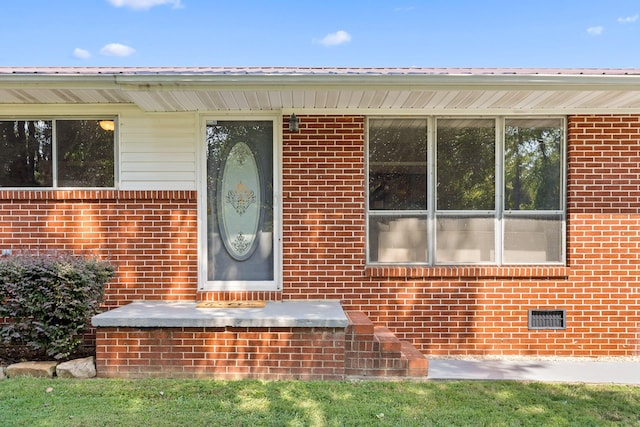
<point x="161" y="82"/>
<point x="378" y="82"/>
<point x="455" y="112"/>
<point x="26" y="81"/>
<point x="185" y="82"/>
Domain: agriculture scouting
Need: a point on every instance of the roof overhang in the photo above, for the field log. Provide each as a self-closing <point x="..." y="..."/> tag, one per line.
<point x="346" y="90"/>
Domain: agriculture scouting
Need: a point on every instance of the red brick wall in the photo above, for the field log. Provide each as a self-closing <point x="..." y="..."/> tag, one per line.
<point x="472" y="310"/>
<point x="604" y="231"/>
<point x="223" y="353"/>
<point x="323" y="208"/>
<point x="150" y="236"/>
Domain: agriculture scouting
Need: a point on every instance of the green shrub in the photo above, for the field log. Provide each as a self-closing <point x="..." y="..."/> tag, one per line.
<point x="49" y="300"/>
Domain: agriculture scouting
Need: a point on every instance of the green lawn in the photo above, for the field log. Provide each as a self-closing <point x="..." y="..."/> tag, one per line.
<point x="104" y="402"/>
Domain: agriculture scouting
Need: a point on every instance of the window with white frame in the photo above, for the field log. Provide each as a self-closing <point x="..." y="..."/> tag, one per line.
<point x="458" y="190"/>
<point x="57" y="153"/>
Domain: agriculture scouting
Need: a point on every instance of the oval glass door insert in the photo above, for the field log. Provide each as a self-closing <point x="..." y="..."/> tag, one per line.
<point x="239" y="208"/>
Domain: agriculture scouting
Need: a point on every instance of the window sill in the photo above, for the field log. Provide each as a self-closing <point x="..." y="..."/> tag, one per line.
<point x="41" y="194"/>
<point x="468" y="272"/>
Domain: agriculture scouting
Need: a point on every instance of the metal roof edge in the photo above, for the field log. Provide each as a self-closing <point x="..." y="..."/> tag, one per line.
<point x="156" y="78"/>
<point x="442" y="82"/>
<point x="288" y="70"/>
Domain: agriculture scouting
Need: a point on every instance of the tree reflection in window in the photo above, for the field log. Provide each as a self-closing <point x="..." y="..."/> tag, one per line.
<point x="466" y="164"/>
<point x="398" y="164"/>
<point x="532" y="164"/>
<point x="26" y="153"/>
<point x="85" y="154"/>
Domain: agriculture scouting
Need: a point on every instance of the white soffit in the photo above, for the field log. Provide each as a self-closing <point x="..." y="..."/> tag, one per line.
<point x="360" y="100"/>
<point x="357" y="90"/>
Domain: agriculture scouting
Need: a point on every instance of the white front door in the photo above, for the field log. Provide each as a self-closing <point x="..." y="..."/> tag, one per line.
<point x="241" y="219"/>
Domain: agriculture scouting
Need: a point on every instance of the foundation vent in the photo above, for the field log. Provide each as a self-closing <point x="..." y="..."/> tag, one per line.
<point x="547" y="319"/>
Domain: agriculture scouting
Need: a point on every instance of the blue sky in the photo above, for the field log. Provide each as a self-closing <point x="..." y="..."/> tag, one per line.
<point x="341" y="33"/>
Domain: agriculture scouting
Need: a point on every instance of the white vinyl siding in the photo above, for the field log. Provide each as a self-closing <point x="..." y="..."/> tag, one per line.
<point x="158" y="151"/>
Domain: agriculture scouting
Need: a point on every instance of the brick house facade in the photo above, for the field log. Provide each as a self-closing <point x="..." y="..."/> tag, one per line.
<point x="148" y="227"/>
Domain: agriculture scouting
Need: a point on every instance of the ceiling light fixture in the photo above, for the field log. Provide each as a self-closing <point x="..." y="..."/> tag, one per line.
<point x="108" y="125"/>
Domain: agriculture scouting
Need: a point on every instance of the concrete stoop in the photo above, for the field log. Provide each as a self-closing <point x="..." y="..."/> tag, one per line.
<point x="375" y="351"/>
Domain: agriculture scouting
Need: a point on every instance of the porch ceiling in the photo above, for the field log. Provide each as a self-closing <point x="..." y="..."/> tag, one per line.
<point x="366" y="91"/>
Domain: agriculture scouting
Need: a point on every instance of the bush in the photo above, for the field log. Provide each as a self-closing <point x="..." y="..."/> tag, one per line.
<point x="49" y="300"/>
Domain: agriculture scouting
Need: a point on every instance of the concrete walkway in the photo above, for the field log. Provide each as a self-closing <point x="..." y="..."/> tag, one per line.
<point x="570" y="370"/>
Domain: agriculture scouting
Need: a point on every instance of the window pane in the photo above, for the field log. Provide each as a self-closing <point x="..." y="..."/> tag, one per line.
<point x="398" y="239"/>
<point x="466" y="164"/>
<point x="398" y="164"/>
<point x="25" y="153"/>
<point x="85" y="154"/>
<point x="530" y="240"/>
<point x="532" y="159"/>
<point x="465" y="239"/>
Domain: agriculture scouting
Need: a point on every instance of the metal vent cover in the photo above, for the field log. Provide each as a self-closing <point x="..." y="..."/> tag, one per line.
<point x="547" y="319"/>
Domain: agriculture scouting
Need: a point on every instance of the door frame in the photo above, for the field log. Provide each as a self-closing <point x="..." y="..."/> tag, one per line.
<point x="268" y="285"/>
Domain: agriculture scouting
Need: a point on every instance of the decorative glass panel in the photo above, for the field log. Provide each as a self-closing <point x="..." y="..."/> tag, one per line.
<point x="239" y="207"/>
<point x="466" y="164"/>
<point x="240" y="216"/>
<point x="398" y="239"/>
<point x="398" y="164"/>
<point x="532" y="157"/>
<point x="26" y="153"/>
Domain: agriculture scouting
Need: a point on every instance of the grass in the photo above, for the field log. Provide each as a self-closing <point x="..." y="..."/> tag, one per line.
<point x="155" y="402"/>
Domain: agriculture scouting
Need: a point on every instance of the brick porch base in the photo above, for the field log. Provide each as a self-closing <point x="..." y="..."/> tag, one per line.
<point x="286" y="340"/>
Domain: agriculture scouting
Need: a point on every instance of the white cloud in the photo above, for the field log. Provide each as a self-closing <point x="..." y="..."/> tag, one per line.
<point x="81" y="53"/>
<point x="595" y="31"/>
<point x="116" y="49"/>
<point x="628" y="19"/>
<point x="334" y="39"/>
<point x="145" y="4"/>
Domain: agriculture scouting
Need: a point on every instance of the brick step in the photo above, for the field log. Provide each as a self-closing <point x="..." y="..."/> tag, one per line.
<point x="359" y="323"/>
<point x="417" y="364"/>
<point x="375" y="351"/>
<point x="387" y="341"/>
